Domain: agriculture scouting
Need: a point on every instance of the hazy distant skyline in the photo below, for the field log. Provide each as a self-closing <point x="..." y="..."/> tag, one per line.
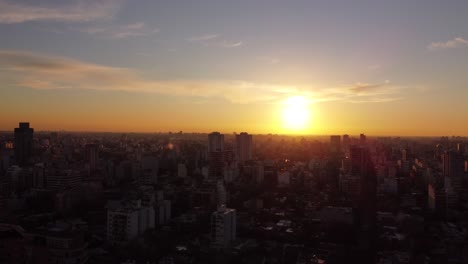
<point x="378" y="67"/>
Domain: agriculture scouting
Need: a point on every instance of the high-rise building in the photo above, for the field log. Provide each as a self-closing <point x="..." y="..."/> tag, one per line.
<point x="223" y="227"/>
<point x="404" y="155"/>
<point x="149" y="170"/>
<point x="335" y="144"/>
<point x="23" y="143"/>
<point x="362" y="166"/>
<point x="39" y="176"/>
<point x="359" y="157"/>
<point x="126" y="220"/>
<point x="453" y="164"/>
<point x="362" y="139"/>
<point x="346" y="142"/>
<point x="91" y="153"/>
<point x="215" y="142"/>
<point x="453" y="172"/>
<point x="244" y="147"/>
<point x="221" y="194"/>
<point x="62" y="179"/>
<point x="163" y="212"/>
<point x="216" y="154"/>
<point x="181" y="170"/>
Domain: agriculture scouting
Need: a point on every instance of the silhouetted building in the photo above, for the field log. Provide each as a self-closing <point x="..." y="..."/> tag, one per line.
<point x="128" y="219"/>
<point x="223" y="227"/>
<point x="215" y="142"/>
<point x="362" y="139"/>
<point x="244" y="147"/>
<point x="453" y="164"/>
<point x="91" y="151"/>
<point x="335" y="144"/>
<point x="56" y="243"/>
<point x="346" y="142"/>
<point x="453" y="172"/>
<point x="362" y="166"/>
<point x="23" y="143"/>
<point x="149" y="170"/>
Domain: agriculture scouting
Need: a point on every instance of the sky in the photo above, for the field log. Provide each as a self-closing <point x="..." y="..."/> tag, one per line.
<point x="367" y="66"/>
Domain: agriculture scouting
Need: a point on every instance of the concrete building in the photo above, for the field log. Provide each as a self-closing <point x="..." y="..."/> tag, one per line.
<point x="346" y="142"/>
<point x="91" y="156"/>
<point x="362" y="140"/>
<point x="181" y="170"/>
<point x="221" y="193"/>
<point x="149" y="169"/>
<point x="127" y="219"/>
<point x="215" y="142"/>
<point x="60" y="243"/>
<point x="61" y="179"/>
<point x="23" y="143"/>
<point x="335" y="144"/>
<point x="244" y="147"/>
<point x="163" y="212"/>
<point x="223" y="227"/>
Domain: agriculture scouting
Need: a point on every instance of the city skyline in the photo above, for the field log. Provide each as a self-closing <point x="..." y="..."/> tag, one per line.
<point x="302" y="67"/>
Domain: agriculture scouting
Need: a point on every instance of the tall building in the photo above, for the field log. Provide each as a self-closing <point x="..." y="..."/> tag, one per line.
<point x="335" y="144"/>
<point x="216" y="154"/>
<point x="162" y="212"/>
<point x="215" y="142"/>
<point x="453" y="164"/>
<point x="39" y="176"/>
<point x="223" y="227"/>
<point x="221" y="194"/>
<point x="346" y="142"/>
<point x="359" y="157"/>
<point x="149" y="170"/>
<point x="126" y="220"/>
<point x="181" y="170"/>
<point x="23" y="143"/>
<point x="362" y="139"/>
<point x="453" y="172"/>
<point x="91" y="153"/>
<point x="362" y="167"/>
<point x="244" y="147"/>
<point x="61" y="179"/>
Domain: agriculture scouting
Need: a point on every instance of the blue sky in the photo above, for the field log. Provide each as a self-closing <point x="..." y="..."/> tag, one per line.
<point x="362" y="64"/>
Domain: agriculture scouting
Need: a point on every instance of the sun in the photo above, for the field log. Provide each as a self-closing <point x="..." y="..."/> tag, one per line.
<point x="296" y="114"/>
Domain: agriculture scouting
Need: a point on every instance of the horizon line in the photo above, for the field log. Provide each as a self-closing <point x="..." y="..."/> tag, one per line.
<point x="235" y="133"/>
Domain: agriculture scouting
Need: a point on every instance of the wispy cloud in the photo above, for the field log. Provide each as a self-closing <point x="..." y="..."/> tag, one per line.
<point x="361" y="93"/>
<point x="51" y="72"/>
<point x="453" y="43"/>
<point x="80" y="11"/>
<point x="268" y="59"/>
<point x="138" y="29"/>
<point x="215" y="40"/>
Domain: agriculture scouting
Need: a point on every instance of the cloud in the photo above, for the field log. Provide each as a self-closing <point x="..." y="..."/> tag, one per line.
<point x="138" y="29"/>
<point x="50" y="72"/>
<point x="44" y="72"/>
<point x="215" y="40"/>
<point x="80" y="11"/>
<point x="268" y="59"/>
<point x="362" y="88"/>
<point x="361" y="93"/>
<point x="453" y="43"/>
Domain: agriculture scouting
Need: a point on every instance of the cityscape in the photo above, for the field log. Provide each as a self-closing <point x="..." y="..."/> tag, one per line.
<point x="231" y="198"/>
<point x="233" y="131"/>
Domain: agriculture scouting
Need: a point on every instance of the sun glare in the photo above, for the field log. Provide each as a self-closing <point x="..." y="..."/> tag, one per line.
<point x="296" y="114"/>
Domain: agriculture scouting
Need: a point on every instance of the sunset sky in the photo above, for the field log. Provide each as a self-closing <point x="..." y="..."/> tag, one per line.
<point x="378" y="67"/>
